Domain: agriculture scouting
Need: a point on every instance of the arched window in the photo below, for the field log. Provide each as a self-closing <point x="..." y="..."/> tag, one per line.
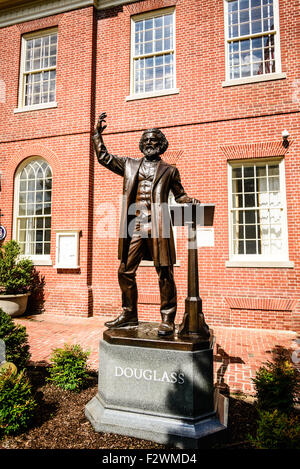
<point x="33" y="190"/>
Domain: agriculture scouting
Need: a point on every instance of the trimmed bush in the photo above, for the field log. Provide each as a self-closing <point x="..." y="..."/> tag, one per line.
<point x="276" y="385"/>
<point x="69" y="367"/>
<point x="15" y="275"/>
<point x="277" y="431"/>
<point x="16" y="341"/>
<point x="17" y="404"/>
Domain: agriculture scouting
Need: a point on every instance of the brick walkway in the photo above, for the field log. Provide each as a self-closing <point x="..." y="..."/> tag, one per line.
<point x="238" y="352"/>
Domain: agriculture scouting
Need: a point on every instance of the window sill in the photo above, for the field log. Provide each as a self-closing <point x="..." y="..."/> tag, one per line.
<point x="256" y="79"/>
<point x="38" y="260"/>
<point x="261" y="264"/>
<point x="36" y="107"/>
<point x="153" y="94"/>
<point x="69" y="267"/>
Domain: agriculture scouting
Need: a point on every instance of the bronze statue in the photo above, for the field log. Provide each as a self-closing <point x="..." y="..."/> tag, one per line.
<point x="147" y="184"/>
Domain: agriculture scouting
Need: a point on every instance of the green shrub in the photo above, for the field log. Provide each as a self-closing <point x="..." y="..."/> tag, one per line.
<point x="15" y="275"/>
<point x="16" y="341"/>
<point x="277" y="431"/>
<point x="69" y="367"/>
<point x="276" y="385"/>
<point x="17" y="404"/>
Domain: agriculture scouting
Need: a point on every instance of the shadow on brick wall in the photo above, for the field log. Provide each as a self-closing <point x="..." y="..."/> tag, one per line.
<point x="36" y="301"/>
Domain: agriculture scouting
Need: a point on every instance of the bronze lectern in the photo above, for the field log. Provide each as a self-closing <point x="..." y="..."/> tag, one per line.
<point x="193" y="325"/>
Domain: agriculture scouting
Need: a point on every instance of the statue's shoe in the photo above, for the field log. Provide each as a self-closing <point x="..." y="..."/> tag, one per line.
<point x="122" y="321"/>
<point x="166" y="328"/>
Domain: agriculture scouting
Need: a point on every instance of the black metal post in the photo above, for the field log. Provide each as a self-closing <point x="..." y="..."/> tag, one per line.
<point x="193" y="324"/>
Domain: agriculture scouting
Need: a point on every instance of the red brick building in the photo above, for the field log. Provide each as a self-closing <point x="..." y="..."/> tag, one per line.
<point x="221" y="79"/>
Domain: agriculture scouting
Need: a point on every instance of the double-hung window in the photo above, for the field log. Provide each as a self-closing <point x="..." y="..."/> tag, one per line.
<point x="153" y="53"/>
<point x="38" y="70"/>
<point x="257" y="211"/>
<point x="252" y="38"/>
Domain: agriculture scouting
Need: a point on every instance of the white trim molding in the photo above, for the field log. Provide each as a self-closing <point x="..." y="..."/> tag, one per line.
<point x="255" y="79"/>
<point x="39" y="9"/>
<point x="35" y="107"/>
<point x="262" y="203"/>
<point x="103" y="4"/>
<point x="261" y="264"/>
<point x="144" y="55"/>
<point x="238" y="37"/>
<point x="37" y="259"/>
<point x="30" y="72"/>
<point x="152" y="94"/>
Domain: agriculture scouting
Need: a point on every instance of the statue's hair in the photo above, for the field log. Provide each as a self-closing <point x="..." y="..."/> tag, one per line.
<point x="163" y="142"/>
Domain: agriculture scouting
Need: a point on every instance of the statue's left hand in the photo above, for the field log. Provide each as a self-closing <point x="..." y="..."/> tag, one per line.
<point x="191" y="200"/>
<point x="100" y="127"/>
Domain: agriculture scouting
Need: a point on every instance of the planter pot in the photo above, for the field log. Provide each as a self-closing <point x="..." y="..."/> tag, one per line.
<point x="14" y="305"/>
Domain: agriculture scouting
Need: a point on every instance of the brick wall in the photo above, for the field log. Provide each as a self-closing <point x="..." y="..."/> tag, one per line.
<point x="61" y="136"/>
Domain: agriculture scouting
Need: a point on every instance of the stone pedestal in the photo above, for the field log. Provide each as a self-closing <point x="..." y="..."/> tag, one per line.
<point x="160" y="389"/>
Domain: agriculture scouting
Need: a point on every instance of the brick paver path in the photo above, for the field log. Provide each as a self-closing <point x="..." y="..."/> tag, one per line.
<point x="238" y="352"/>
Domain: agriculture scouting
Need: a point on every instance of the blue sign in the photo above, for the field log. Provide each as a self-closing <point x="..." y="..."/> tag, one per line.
<point x="2" y="233"/>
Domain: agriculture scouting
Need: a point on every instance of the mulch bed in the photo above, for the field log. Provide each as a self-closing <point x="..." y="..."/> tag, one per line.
<point x="60" y="422"/>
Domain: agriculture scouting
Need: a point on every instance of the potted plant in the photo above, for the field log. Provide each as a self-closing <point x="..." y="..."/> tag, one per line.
<point x="16" y="277"/>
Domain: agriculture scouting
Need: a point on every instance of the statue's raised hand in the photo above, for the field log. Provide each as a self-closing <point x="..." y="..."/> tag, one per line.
<point x="100" y="127"/>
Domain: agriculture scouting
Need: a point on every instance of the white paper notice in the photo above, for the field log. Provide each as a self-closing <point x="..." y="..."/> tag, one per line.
<point x="205" y="237"/>
<point x="67" y="250"/>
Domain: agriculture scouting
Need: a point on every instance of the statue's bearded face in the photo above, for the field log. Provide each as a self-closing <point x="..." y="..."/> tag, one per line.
<point x="153" y="143"/>
<point x="151" y="147"/>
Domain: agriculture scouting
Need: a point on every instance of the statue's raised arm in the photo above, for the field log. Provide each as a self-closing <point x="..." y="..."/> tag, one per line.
<point x="112" y="162"/>
<point x="100" y="127"/>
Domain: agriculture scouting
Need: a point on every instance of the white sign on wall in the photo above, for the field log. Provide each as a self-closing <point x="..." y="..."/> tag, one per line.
<point x="205" y="237"/>
<point x="67" y="249"/>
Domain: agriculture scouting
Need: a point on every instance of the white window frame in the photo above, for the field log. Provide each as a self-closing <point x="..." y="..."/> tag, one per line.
<point x="163" y="92"/>
<point x="21" y="97"/>
<point x="259" y="260"/>
<point x="37" y="259"/>
<point x="255" y="78"/>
